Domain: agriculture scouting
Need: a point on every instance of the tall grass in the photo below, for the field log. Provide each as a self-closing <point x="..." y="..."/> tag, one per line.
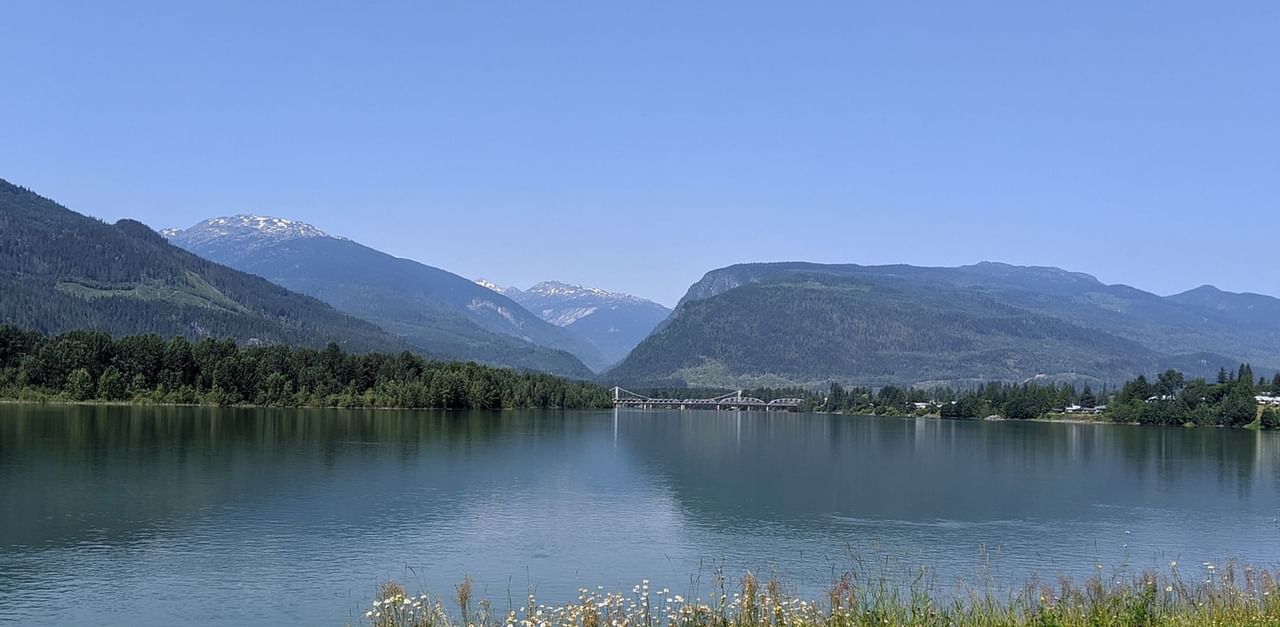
<point x="1229" y="595"/>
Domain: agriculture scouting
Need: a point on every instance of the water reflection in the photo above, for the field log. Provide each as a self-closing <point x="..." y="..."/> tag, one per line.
<point x="146" y="512"/>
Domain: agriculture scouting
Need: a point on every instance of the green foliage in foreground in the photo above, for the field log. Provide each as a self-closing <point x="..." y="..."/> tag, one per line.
<point x="1229" y="596"/>
<point x="91" y="365"/>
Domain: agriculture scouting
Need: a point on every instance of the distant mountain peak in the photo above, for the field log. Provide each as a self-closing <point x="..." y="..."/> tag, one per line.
<point x="1205" y="289"/>
<point x="247" y="229"/>
<point x="1006" y="269"/>
<point x="570" y="290"/>
<point x="505" y="291"/>
<point x="612" y="322"/>
<point x="561" y="290"/>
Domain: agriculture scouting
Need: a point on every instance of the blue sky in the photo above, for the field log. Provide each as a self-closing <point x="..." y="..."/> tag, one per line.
<point x="634" y="146"/>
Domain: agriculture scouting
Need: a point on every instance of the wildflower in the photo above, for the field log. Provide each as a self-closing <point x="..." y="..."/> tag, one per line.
<point x="1173" y="564"/>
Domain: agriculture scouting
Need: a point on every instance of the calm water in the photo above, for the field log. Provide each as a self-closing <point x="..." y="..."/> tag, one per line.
<point x="140" y="516"/>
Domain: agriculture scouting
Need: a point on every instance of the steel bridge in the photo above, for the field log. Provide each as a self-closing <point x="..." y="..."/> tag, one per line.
<point x="732" y="400"/>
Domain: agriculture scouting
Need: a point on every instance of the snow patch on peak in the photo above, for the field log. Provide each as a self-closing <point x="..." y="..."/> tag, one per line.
<point x="267" y="225"/>
<point x="246" y="228"/>
<point x="490" y="285"/>
<point x="486" y="283"/>
<point x="569" y="290"/>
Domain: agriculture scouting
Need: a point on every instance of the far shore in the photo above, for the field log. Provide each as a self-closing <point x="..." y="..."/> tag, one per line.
<point x="1089" y="419"/>
<point x="104" y="403"/>
<point x="1092" y="419"/>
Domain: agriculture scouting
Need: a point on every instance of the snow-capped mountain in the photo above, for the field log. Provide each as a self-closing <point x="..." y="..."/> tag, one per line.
<point x="505" y="291"/>
<point x="440" y="312"/>
<point x="239" y="235"/>
<point x="614" y="322"/>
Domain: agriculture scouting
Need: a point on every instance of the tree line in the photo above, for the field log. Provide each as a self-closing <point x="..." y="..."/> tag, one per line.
<point x="93" y="365"/>
<point x="1170" y="399"/>
<point x="1173" y="400"/>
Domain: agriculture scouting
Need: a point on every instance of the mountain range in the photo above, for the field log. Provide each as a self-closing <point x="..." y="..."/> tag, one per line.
<point x="262" y="279"/>
<point x="435" y="311"/>
<point x="614" y="323"/>
<point x="804" y="323"/>
<point x="60" y="270"/>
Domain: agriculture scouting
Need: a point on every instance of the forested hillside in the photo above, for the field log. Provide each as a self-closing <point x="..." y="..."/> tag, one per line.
<point x="91" y="365"/>
<point x="60" y="270"/>
<point x="777" y="324"/>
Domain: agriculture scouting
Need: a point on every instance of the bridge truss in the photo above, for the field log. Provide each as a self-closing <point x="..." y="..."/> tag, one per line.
<point x="732" y="400"/>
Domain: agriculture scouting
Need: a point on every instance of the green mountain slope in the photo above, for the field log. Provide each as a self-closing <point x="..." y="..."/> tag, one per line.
<point x="431" y="309"/>
<point x="60" y="270"/>
<point x="807" y="323"/>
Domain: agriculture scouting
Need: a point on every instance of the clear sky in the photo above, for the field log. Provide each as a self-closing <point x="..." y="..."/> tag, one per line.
<point x="636" y="145"/>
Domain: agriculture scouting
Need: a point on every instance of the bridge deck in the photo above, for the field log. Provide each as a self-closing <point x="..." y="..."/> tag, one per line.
<point x="729" y="401"/>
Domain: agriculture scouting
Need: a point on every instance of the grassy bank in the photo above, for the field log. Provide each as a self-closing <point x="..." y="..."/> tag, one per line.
<point x="1225" y="595"/>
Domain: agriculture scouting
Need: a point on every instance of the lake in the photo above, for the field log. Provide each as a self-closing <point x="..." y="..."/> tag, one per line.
<point x="150" y="516"/>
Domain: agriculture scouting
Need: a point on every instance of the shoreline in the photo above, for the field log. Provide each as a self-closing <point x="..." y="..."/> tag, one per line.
<point x="1078" y="419"/>
<point x="1085" y="419"/>
<point x="100" y="403"/>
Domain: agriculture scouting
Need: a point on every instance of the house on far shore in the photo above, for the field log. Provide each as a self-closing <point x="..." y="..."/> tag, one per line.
<point x="1267" y="400"/>
<point x="1162" y="397"/>
<point x="1077" y="409"/>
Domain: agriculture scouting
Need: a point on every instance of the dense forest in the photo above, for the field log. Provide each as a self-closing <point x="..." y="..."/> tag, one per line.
<point x="91" y="365"/>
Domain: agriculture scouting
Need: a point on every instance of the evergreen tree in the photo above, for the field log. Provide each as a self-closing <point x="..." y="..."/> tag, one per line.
<point x="1086" y="397"/>
<point x="1169" y="382"/>
<point x="1245" y="378"/>
<point x="835" y="397"/>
